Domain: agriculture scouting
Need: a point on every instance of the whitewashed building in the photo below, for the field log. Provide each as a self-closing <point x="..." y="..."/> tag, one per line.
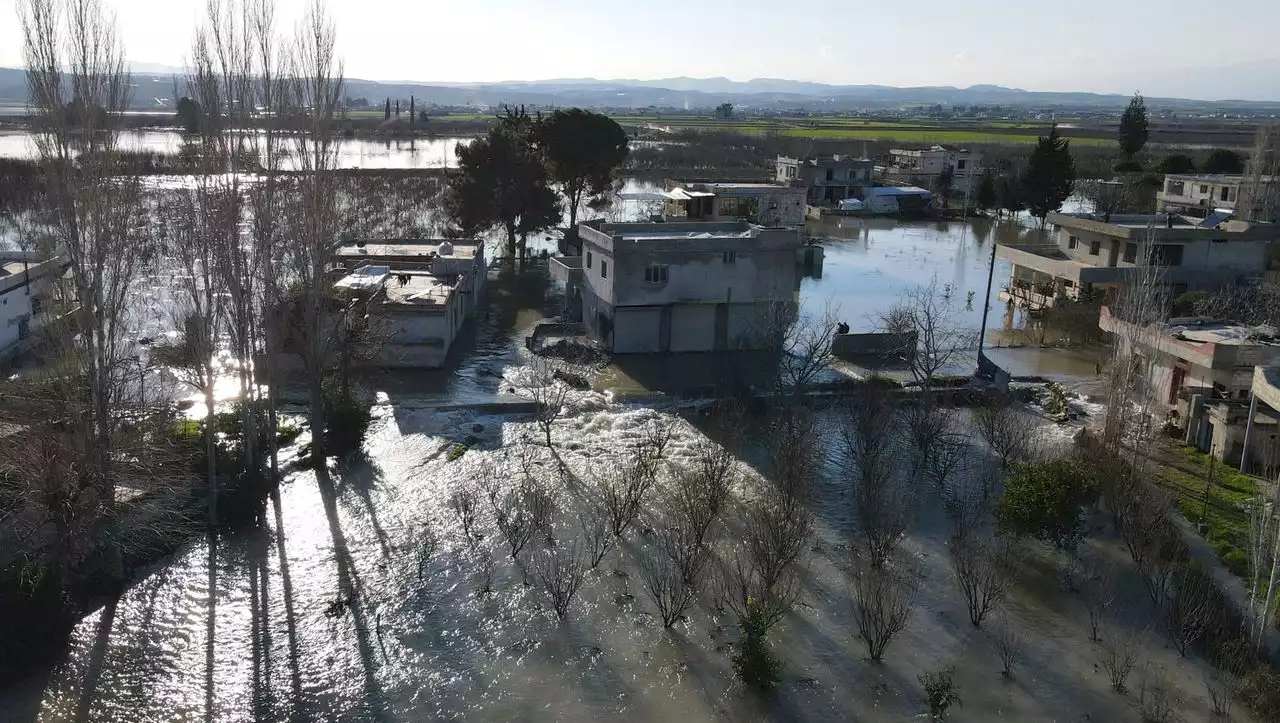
<point x="24" y="297"/>
<point x="424" y="291"/>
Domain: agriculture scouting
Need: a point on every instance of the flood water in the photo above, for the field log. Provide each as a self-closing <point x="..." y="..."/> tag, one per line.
<point x="325" y="611"/>
<point x="352" y="152"/>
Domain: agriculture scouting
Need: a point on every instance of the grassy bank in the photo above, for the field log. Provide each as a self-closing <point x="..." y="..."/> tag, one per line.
<point x="1210" y="494"/>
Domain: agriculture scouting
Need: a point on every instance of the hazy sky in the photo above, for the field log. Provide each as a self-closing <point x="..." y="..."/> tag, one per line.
<point x="1097" y="45"/>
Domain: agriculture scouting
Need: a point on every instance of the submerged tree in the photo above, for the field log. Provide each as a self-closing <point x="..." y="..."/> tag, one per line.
<point x="985" y="197"/>
<point x="582" y="150"/>
<point x="502" y="183"/>
<point x="1049" y="175"/>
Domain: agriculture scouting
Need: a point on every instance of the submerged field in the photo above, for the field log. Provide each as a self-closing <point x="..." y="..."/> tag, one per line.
<point x="326" y="610"/>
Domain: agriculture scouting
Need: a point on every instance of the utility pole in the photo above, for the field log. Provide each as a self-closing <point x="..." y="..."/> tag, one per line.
<point x="986" y="303"/>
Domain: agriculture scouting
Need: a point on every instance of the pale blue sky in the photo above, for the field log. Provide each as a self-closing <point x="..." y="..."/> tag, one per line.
<point x="1096" y="45"/>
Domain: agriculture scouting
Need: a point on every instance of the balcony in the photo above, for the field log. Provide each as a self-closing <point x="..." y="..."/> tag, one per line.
<point x="567" y="269"/>
<point x="1050" y="260"/>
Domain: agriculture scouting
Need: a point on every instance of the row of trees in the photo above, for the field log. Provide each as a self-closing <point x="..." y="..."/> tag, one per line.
<point x="249" y="261"/>
<point x="505" y="179"/>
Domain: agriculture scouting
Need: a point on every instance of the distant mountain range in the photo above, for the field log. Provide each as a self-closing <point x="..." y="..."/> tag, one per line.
<point x="156" y="81"/>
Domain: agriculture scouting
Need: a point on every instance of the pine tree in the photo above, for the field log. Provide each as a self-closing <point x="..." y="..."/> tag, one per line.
<point x="386" y="114"/>
<point x="411" y="113"/>
<point x="1133" y="127"/>
<point x="1049" y="176"/>
<point x="397" y="108"/>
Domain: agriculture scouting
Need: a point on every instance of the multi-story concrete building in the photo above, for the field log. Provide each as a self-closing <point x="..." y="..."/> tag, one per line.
<point x="921" y="167"/>
<point x="24" y="297"/>
<point x="424" y="290"/>
<point x="827" y="179"/>
<point x="681" y="287"/>
<point x="767" y="204"/>
<point x="1091" y="255"/>
<point x="1205" y="194"/>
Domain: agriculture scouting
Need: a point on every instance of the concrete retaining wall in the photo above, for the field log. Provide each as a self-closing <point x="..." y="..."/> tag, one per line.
<point x="876" y="344"/>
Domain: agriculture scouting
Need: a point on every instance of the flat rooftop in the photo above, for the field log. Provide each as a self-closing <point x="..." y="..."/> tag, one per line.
<point x="421" y="289"/>
<point x="1211" y="331"/>
<point x="679" y="230"/>
<point x="426" y="248"/>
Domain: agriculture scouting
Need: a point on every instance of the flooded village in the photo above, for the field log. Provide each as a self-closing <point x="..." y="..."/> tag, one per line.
<point x="311" y="411"/>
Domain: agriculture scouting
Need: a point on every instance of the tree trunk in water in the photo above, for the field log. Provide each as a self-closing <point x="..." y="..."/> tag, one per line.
<point x="317" y="421"/>
<point x="210" y="450"/>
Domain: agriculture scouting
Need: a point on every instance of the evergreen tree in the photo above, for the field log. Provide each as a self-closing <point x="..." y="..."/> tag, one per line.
<point x="411" y="113"/>
<point x="1222" y="160"/>
<point x="501" y="182"/>
<point x="397" y="108"/>
<point x="1049" y="176"/>
<point x="942" y="186"/>
<point x="985" y="197"/>
<point x="386" y="113"/>
<point x="1133" y="127"/>
<point x="582" y="150"/>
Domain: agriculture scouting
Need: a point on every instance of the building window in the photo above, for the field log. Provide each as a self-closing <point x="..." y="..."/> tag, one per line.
<point x="1176" y="188"/>
<point x="1072" y="242"/>
<point x="589" y="259"/>
<point x="1204" y="189"/>
<point x="1223" y="196"/>
<point x="829" y="174"/>
<point x="1130" y="252"/>
<point x="37" y="304"/>
<point x="960" y="164"/>
<point x="656" y="273"/>
<point x="604" y="269"/>
<point x="1167" y="255"/>
<point x="1094" y="247"/>
<point x="730" y="256"/>
<point x="24" y="328"/>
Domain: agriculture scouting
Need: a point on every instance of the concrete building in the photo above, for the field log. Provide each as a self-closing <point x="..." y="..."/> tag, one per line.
<point x="424" y="291"/>
<point x="1091" y="255"/>
<point x="24" y="297"/>
<point x="890" y="200"/>
<point x="681" y="287"/>
<point x="922" y="166"/>
<point x="766" y="204"/>
<point x="1205" y="370"/>
<point x="827" y="179"/>
<point x="1203" y="195"/>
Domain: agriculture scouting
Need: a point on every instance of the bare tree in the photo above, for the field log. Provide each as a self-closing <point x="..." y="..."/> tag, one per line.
<point x="1157" y="698"/>
<point x="933" y="336"/>
<point x="983" y="571"/>
<point x="560" y="571"/>
<point x="806" y="348"/>
<point x="1106" y="197"/>
<point x="1259" y="196"/>
<point x="667" y="584"/>
<point x="1008" y="644"/>
<point x="521" y="514"/>
<point x="1009" y="429"/>
<point x="883" y="501"/>
<point x="425" y="546"/>
<point x="883" y="600"/>
<point x="1264" y="562"/>
<point x="1220" y="683"/>
<point x="1189" y="609"/>
<point x="1119" y="653"/>
<point x="78" y="91"/>
<point x="1141" y="514"/>
<point x="464" y="503"/>
<point x="311" y="219"/>
<point x="597" y="537"/>
<point x="622" y="488"/>
<point x="1097" y="594"/>
<point x="545" y="384"/>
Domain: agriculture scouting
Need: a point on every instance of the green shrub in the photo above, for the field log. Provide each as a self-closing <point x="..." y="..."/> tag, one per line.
<point x="346" y="419"/>
<point x="1044" y="501"/>
<point x="753" y="663"/>
<point x="1236" y="561"/>
<point x="286" y="432"/>
<point x="455" y="452"/>
<point x="940" y="691"/>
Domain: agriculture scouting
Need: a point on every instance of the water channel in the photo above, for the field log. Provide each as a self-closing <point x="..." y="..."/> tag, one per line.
<point x="323" y="610"/>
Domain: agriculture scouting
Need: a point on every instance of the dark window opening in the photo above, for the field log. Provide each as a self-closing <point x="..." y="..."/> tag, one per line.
<point x="1094" y="247"/>
<point x="1130" y="252"/>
